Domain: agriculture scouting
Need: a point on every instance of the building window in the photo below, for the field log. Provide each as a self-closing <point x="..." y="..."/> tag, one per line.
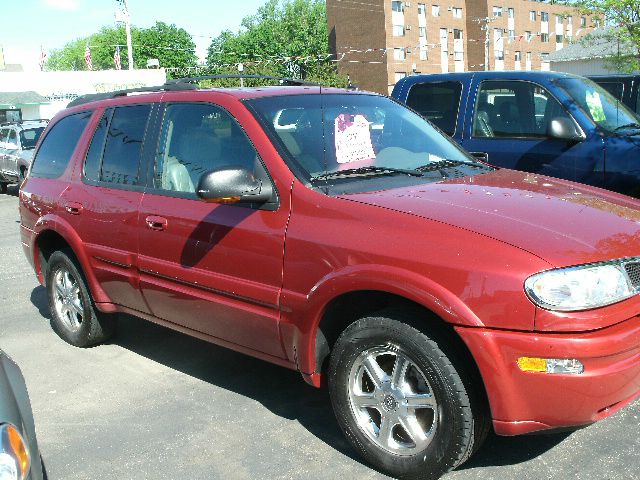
<point x="544" y="17"/>
<point x="397" y="6"/>
<point x="569" y="39"/>
<point x="458" y="56"/>
<point x="544" y="57"/>
<point x="529" y="35"/>
<point x="422" y="32"/>
<point x="570" y="20"/>
<point x="512" y="35"/>
<point x="559" y="21"/>
<point x="421" y="9"/>
<point x="518" y="56"/>
<point x="511" y="13"/>
<point x="533" y="15"/>
<point x="559" y="39"/>
<point x="544" y="37"/>
<point x="398" y="30"/>
<point x="399" y="54"/>
<point x="499" y="55"/>
<point x="424" y="53"/>
<point x="435" y="10"/>
<point x="457" y="12"/>
<point x="399" y="76"/>
<point x="583" y="21"/>
<point x="457" y="34"/>
<point x="497" y="11"/>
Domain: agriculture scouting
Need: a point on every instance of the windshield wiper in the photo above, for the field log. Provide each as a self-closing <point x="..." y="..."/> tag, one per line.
<point x="628" y="125"/>
<point x="366" y="171"/>
<point x="439" y="165"/>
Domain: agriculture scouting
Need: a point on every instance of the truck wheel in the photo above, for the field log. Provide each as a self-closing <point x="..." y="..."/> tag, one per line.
<point x="73" y="313"/>
<point x="400" y="401"/>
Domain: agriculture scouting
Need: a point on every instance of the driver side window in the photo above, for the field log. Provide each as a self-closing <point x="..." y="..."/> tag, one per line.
<point x="195" y="139"/>
<point x="514" y="109"/>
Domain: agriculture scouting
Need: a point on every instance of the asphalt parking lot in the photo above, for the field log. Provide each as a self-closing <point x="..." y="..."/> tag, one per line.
<point x="156" y="404"/>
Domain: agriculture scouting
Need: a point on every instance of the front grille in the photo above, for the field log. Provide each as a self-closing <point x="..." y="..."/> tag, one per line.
<point x="633" y="271"/>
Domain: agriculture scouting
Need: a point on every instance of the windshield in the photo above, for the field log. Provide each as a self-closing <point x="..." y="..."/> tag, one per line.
<point x="349" y="136"/>
<point x="29" y="138"/>
<point x="603" y="108"/>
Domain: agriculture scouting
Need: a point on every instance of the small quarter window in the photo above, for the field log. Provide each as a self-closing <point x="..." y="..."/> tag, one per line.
<point x="57" y="147"/>
<point x="438" y="103"/>
<point x="91" y="170"/>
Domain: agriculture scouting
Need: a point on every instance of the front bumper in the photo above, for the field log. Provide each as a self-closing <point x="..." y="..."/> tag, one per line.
<point x="525" y="402"/>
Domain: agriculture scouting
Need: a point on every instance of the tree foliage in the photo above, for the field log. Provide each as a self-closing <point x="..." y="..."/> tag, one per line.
<point x="285" y="38"/>
<point x="623" y="19"/>
<point x="172" y="46"/>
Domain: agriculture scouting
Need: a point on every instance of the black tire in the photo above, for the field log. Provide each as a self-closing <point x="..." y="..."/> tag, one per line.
<point x="458" y="423"/>
<point x="73" y="313"/>
<point x="3" y="187"/>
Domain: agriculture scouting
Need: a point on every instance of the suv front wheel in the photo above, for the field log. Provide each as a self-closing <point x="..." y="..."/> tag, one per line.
<point x="73" y="313"/>
<point x="400" y="401"/>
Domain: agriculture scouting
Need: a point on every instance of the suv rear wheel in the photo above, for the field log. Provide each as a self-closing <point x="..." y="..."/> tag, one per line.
<point x="74" y="316"/>
<point x="400" y="401"/>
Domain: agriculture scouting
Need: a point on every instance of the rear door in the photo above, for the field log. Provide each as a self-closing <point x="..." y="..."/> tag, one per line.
<point x="104" y="203"/>
<point x="215" y="269"/>
<point x="510" y="125"/>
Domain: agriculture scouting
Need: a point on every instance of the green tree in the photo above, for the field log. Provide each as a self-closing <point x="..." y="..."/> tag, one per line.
<point x="623" y="19"/>
<point x="285" y="38"/>
<point x="172" y="46"/>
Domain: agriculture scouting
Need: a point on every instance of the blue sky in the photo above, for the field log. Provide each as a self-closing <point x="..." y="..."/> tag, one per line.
<point x="52" y="23"/>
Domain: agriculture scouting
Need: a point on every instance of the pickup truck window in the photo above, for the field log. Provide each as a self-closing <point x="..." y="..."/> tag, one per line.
<point x="606" y="111"/>
<point x="614" y="88"/>
<point x="437" y="102"/>
<point x="514" y="109"/>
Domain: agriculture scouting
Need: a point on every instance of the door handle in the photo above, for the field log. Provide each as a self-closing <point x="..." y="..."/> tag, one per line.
<point x="156" y="223"/>
<point x="74" y="208"/>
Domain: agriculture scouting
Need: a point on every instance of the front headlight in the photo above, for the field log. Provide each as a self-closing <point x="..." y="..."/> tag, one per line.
<point x="580" y="288"/>
<point x="14" y="456"/>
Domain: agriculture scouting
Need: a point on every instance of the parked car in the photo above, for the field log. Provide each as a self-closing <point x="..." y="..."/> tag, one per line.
<point x="625" y="88"/>
<point x="438" y="296"/>
<point x="17" y="142"/>
<point x="19" y="454"/>
<point x="548" y="123"/>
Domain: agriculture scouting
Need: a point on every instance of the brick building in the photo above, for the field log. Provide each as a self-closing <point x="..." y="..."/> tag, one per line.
<point x="377" y="42"/>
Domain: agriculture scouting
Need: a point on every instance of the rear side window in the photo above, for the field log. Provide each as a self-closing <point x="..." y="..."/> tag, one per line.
<point x="57" y="147"/>
<point x="123" y="146"/>
<point x="438" y="103"/>
<point x="91" y="170"/>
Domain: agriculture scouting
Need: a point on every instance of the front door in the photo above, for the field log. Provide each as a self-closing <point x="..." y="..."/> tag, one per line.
<point x="510" y="124"/>
<point x="215" y="269"/>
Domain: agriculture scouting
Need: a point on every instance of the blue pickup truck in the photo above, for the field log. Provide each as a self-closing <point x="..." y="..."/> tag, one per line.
<point x="549" y="123"/>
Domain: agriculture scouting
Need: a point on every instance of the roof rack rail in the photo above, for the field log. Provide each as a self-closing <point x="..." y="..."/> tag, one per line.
<point x="94" y="97"/>
<point x="18" y="122"/>
<point x="282" y="80"/>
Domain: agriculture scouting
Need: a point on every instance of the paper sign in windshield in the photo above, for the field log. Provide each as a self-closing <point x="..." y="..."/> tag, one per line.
<point x="353" y="139"/>
<point x="595" y="106"/>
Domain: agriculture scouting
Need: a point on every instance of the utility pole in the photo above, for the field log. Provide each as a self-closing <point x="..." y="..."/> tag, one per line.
<point x="123" y="16"/>
<point x="487" y="37"/>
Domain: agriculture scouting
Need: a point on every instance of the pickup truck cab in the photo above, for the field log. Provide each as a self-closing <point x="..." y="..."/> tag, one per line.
<point x="549" y="123"/>
<point x="625" y="88"/>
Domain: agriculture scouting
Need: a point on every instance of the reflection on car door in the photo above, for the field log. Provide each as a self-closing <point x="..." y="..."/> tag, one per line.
<point x="510" y="123"/>
<point x="215" y="269"/>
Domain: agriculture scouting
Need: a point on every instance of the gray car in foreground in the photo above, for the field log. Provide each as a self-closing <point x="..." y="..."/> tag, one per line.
<point x="19" y="454"/>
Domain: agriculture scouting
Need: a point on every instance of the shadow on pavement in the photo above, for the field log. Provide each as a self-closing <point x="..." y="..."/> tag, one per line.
<point x="281" y="391"/>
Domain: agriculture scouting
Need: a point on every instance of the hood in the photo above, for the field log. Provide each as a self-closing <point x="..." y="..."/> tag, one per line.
<point x="561" y="222"/>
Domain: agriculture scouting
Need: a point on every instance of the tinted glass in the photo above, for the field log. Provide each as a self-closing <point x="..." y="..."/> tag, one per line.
<point x="29" y="138"/>
<point x="604" y="109"/>
<point x="197" y="138"/>
<point x="91" y="170"/>
<point x="438" y="103"/>
<point x="511" y="109"/>
<point x="123" y="148"/>
<point x="4" y="133"/>
<point x="57" y="147"/>
<point x="13" y="139"/>
<point x="614" y="88"/>
<point x="638" y="102"/>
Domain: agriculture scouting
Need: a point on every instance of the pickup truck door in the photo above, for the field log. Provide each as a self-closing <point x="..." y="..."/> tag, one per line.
<point x="213" y="268"/>
<point x="507" y="121"/>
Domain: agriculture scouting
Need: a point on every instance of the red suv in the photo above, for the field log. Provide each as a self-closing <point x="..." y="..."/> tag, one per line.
<point x="340" y="234"/>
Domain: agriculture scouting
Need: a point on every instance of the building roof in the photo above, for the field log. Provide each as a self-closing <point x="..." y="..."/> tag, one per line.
<point x="602" y="43"/>
<point x="21" y="98"/>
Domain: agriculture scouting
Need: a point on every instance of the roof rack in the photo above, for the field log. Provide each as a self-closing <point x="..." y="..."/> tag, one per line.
<point x="19" y="122"/>
<point x="282" y="80"/>
<point x="94" y="97"/>
<point x="180" y="84"/>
